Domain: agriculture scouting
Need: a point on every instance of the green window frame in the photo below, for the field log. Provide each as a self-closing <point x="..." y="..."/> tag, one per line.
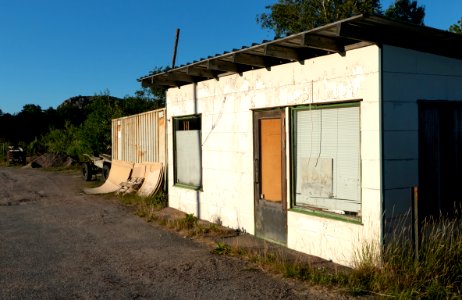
<point x="326" y="159"/>
<point x="187" y="148"/>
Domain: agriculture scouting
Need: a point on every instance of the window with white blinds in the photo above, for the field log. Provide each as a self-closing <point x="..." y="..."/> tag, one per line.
<point x="327" y="161"/>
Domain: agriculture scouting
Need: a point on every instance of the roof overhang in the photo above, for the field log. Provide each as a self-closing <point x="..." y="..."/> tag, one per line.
<point x="337" y="37"/>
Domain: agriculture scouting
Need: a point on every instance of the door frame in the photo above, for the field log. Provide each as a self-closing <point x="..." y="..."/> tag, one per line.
<point x="259" y="203"/>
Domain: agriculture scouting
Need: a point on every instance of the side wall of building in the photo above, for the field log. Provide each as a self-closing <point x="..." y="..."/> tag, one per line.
<point x="226" y="105"/>
<point x="409" y="76"/>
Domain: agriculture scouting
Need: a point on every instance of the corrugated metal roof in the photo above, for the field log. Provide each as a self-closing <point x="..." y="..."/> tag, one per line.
<point x="336" y="37"/>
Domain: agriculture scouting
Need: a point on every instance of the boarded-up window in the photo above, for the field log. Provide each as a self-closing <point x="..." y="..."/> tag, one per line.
<point x="327" y="158"/>
<point x="187" y="148"/>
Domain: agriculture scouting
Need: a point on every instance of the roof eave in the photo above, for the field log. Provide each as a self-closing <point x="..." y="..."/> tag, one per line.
<point x="335" y="37"/>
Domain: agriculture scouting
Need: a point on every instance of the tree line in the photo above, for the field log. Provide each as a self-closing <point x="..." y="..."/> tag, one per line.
<point x="81" y="124"/>
<point x="287" y="17"/>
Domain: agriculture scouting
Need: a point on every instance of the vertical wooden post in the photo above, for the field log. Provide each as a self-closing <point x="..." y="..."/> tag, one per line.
<point x="415" y="221"/>
<point x="175" y="46"/>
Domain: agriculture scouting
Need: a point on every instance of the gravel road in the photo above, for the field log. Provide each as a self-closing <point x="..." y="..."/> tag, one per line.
<point x="58" y="243"/>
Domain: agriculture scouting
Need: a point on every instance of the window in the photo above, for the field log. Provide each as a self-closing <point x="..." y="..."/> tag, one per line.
<point x="326" y="159"/>
<point x="187" y="151"/>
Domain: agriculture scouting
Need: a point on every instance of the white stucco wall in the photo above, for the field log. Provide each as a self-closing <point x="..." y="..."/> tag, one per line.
<point x="409" y="76"/>
<point x="227" y="139"/>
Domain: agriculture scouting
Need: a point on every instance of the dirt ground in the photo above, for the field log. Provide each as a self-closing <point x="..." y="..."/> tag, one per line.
<point x="58" y="243"/>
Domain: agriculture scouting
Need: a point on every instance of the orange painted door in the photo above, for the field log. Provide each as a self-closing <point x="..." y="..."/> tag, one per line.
<point x="270" y="181"/>
<point x="271" y="162"/>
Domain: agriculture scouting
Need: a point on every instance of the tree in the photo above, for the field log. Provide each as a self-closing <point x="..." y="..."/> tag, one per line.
<point x="291" y="16"/>
<point x="156" y="93"/>
<point x="95" y="132"/>
<point x="407" y="11"/>
<point x="29" y="123"/>
<point x="31" y="109"/>
<point x="63" y="141"/>
<point x="144" y="100"/>
<point x="456" y="28"/>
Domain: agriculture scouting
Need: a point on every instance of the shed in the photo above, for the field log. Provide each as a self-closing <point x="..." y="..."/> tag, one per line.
<point x="316" y="140"/>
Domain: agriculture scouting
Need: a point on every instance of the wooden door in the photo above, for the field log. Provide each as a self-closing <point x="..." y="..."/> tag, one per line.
<point x="270" y="181"/>
<point x="440" y="158"/>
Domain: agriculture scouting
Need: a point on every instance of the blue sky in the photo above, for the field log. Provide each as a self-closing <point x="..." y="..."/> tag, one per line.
<point x="51" y="50"/>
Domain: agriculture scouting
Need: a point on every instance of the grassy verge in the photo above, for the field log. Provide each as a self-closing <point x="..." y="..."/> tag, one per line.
<point x="146" y="207"/>
<point x="296" y="266"/>
<point x="437" y="274"/>
<point x="150" y="209"/>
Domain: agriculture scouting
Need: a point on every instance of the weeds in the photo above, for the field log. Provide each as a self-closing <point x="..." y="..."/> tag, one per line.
<point x="188" y="222"/>
<point x="191" y="226"/>
<point x="188" y="225"/>
<point x="436" y="274"/>
<point x="221" y="249"/>
<point x="146" y="207"/>
<point x="278" y="262"/>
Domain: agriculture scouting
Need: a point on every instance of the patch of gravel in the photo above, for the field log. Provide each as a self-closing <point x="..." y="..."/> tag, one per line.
<point x="56" y="242"/>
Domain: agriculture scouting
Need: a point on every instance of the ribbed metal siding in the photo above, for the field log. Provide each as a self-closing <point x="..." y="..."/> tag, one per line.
<point x="140" y="137"/>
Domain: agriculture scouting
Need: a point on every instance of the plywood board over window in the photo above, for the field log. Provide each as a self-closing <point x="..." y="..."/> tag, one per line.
<point x="271" y="165"/>
<point x="316" y="177"/>
<point x="327" y="158"/>
<point x="188" y="151"/>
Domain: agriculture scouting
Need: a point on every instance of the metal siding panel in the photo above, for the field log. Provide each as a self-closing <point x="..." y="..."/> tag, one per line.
<point x="113" y="139"/>
<point x="141" y="137"/>
<point x="162" y="147"/>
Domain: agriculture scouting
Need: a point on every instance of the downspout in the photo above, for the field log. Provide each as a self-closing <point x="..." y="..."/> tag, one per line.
<point x="381" y="138"/>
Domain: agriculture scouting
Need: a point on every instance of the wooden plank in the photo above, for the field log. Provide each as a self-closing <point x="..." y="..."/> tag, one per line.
<point x="322" y="42"/>
<point x="145" y="83"/>
<point x="282" y="52"/>
<point x="179" y="76"/>
<point x="271" y="162"/>
<point x="269" y="60"/>
<point x="158" y="81"/>
<point x="221" y="65"/>
<point x="249" y="59"/>
<point x="201" y="72"/>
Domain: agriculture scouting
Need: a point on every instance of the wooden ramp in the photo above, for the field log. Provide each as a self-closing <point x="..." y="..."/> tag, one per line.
<point x="153" y="180"/>
<point x="120" y="172"/>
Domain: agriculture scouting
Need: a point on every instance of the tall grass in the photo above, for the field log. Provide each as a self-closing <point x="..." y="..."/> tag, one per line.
<point x="390" y="271"/>
<point x="435" y="273"/>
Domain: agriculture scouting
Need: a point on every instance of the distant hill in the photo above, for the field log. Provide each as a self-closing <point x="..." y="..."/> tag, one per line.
<point x="80" y="102"/>
<point x="75" y="102"/>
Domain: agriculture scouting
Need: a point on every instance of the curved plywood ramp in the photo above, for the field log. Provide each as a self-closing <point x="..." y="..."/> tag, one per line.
<point x="153" y="179"/>
<point x="120" y="172"/>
